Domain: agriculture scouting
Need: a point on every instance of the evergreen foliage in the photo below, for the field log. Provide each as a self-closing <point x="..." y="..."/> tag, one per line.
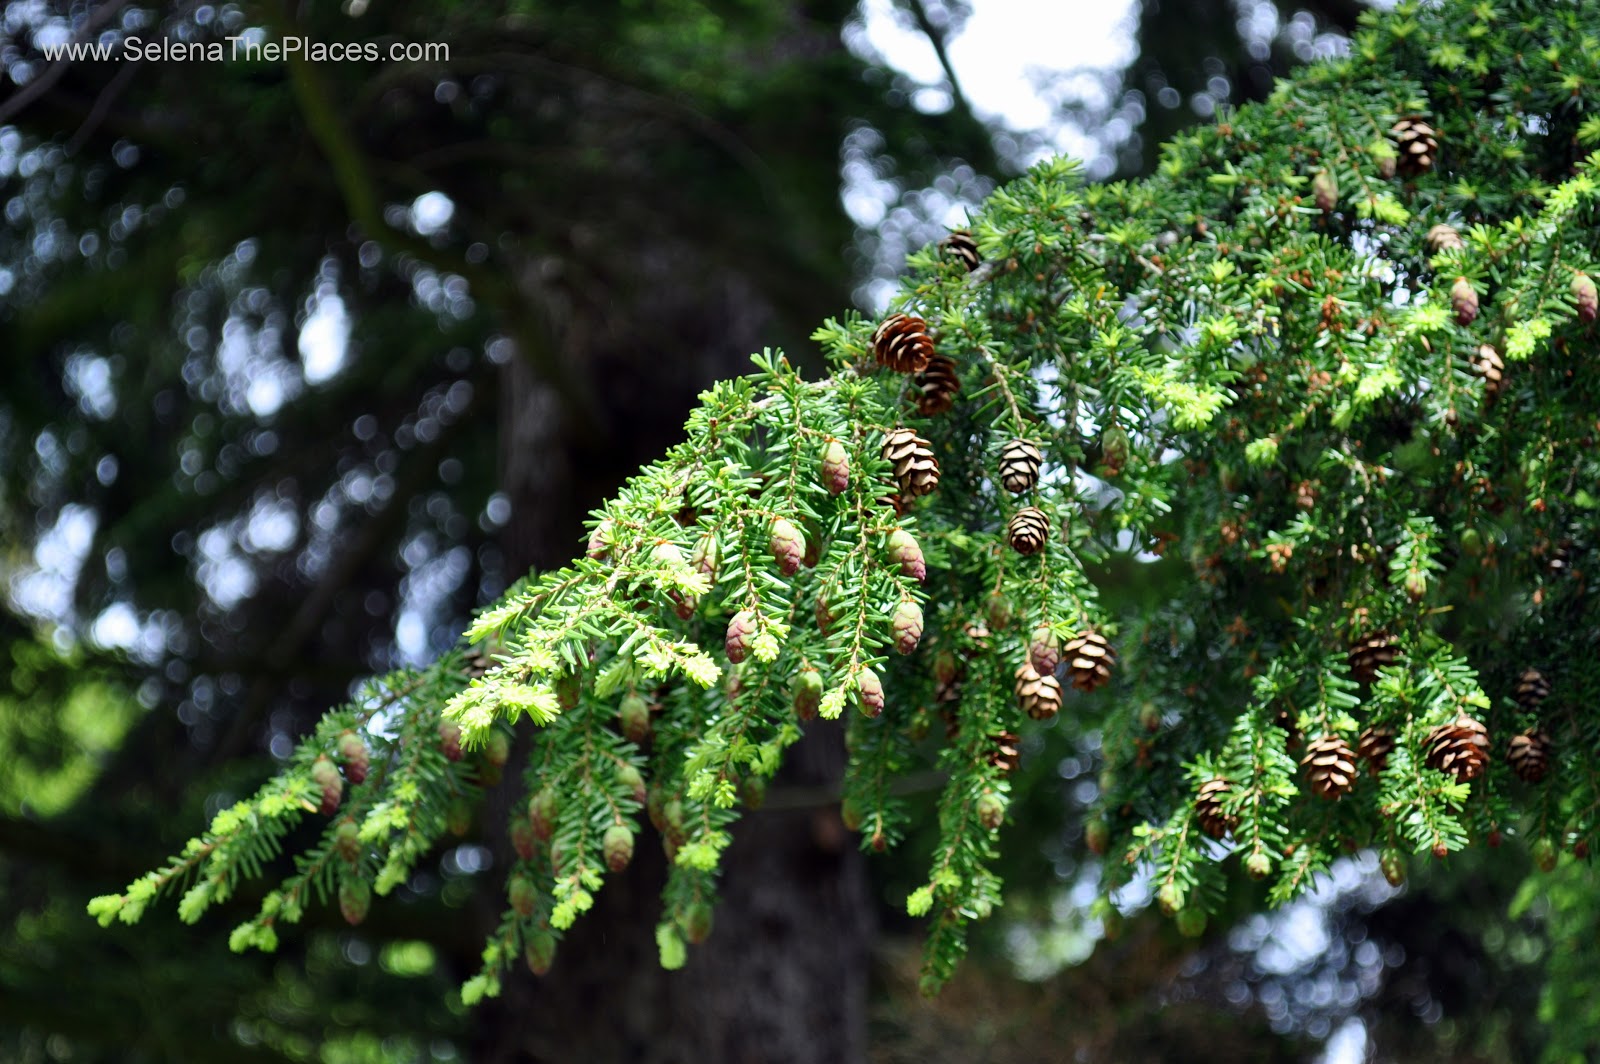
<point x="1263" y="372"/>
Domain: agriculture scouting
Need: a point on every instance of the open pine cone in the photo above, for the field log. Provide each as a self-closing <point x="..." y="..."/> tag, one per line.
<point x="1459" y="748"/>
<point x="902" y="343"/>
<point x="1089" y="658"/>
<point x="1331" y="765"/>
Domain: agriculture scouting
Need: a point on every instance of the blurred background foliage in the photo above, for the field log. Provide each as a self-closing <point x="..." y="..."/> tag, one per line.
<point x="304" y="361"/>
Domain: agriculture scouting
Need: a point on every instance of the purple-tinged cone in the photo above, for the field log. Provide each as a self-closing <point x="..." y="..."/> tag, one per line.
<point x="835" y="467"/>
<point x="907" y="553"/>
<point x="788" y="546"/>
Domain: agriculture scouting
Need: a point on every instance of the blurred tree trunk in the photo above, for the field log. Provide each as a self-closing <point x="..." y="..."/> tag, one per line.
<point x="783" y="977"/>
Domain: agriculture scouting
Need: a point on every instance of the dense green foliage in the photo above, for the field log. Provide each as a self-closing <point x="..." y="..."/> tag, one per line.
<point x="1252" y="371"/>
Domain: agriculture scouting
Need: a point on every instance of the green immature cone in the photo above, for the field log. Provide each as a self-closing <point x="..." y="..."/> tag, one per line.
<point x="617" y="845"/>
<point x="1044" y="650"/>
<point x="704" y="556"/>
<point x="1464" y="300"/>
<point x="540" y="952"/>
<point x="805" y="692"/>
<point x="630" y="777"/>
<point x="991" y="810"/>
<point x="696" y="922"/>
<point x="497" y="751"/>
<point x="326" y="776"/>
<point x="1114" y="450"/>
<point x="1191" y="922"/>
<point x="353" y="752"/>
<point x="905" y="552"/>
<point x="788" y="546"/>
<point x="542" y="814"/>
<point x="355" y="898"/>
<point x="1097" y="836"/>
<point x="450" y="740"/>
<point x="600" y="541"/>
<point x="1584" y="295"/>
<point x="458" y="816"/>
<point x="1544" y="855"/>
<point x="835" y="467"/>
<point x="523" y="840"/>
<point x="347" y="840"/>
<point x="1393" y="864"/>
<point x="906" y="626"/>
<point x="635" y="716"/>
<point x="569" y="688"/>
<point x="1258" y="866"/>
<point x="741" y="630"/>
<point x="1325" y="191"/>
<point x="869" y="689"/>
<point x="524" y="896"/>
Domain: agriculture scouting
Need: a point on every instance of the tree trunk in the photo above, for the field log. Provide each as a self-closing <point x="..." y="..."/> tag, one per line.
<point x="783" y="976"/>
<point x="781" y="980"/>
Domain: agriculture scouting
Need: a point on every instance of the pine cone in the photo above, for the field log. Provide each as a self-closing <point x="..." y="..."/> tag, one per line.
<point x="835" y="467"/>
<point x="1492" y="368"/>
<point x="617" y="846"/>
<point x="916" y="470"/>
<point x="869" y="691"/>
<point x="1374" y="745"/>
<point x="902" y="343"/>
<point x="788" y="546"/>
<point x="1028" y="530"/>
<point x="1331" y="764"/>
<point x="906" y="626"/>
<point x="1044" y="650"/>
<point x="1039" y="696"/>
<point x="1532" y="689"/>
<point x="1214" y="821"/>
<point x="353" y="752"/>
<point x="1371" y="653"/>
<point x="960" y="246"/>
<point x="906" y="552"/>
<point x="1529" y="754"/>
<point x="1443" y="237"/>
<point x="1004" y="753"/>
<point x="1089" y="659"/>
<point x="1416" y="144"/>
<point x="937" y="386"/>
<point x="1325" y="191"/>
<point x="805" y="692"/>
<point x="450" y="740"/>
<point x="1585" y="298"/>
<point x="741" y="629"/>
<point x="1464" y="301"/>
<point x="1019" y="466"/>
<point x="1459" y="748"/>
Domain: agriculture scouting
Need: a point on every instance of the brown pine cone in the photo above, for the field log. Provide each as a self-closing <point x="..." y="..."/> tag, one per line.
<point x="1529" y="754"/>
<point x="1089" y="658"/>
<point x="1214" y="821"/>
<point x="960" y="246"/>
<point x="901" y="342"/>
<point x="1019" y="466"/>
<point x="1459" y="748"/>
<point x="1371" y="653"/>
<point x="1039" y="695"/>
<point x="916" y="470"/>
<point x="1417" y="146"/>
<point x="1331" y="765"/>
<point x="937" y="386"/>
<point x="1028" y="530"/>
<point x="1374" y="745"/>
